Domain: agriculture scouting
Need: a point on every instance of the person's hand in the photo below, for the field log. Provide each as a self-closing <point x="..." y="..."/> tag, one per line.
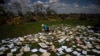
<point x="42" y="29"/>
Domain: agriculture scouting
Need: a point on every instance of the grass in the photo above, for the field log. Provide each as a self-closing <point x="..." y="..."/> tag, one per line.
<point x="11" y="31"/>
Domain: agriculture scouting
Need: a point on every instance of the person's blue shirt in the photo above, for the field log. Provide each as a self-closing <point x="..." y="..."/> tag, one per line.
<point x="46" y="27"/>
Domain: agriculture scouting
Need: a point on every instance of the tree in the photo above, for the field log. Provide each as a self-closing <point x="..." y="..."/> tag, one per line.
<point x="2" y="12"/>
<point x="50" y="11"/>
<point x="2" y="2"/>
<point x="18" y="7"/>
<point x="38" y="7"/>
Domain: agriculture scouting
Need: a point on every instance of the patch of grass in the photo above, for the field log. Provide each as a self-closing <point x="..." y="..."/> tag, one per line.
<point x="11" y="31"/>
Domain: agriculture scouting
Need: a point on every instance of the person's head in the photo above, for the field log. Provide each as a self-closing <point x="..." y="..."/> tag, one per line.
<point x="42" y="24"/>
